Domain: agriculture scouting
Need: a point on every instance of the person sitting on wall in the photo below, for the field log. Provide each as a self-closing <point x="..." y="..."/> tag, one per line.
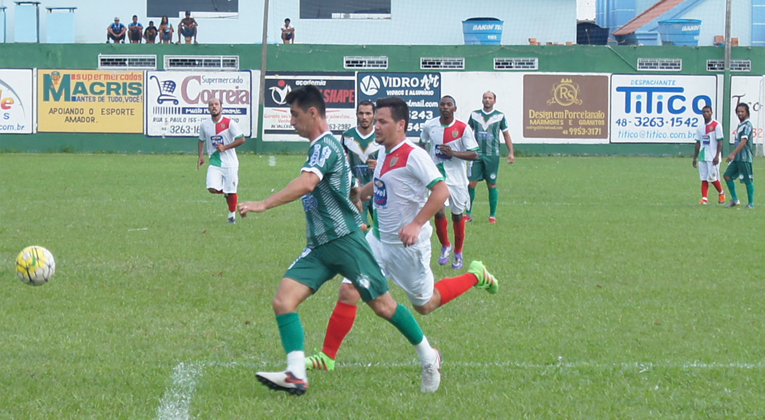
<point x="150" y="33"/>
<point x="135" y="31"/>
<point x="288" y="32"/>
<point x="166" y="30"/>
<point x="188" y="28"/>
<point x="116" y="32"/>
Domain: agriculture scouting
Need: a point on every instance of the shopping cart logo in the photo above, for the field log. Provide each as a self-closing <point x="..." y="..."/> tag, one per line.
<point x="166" y="91"/>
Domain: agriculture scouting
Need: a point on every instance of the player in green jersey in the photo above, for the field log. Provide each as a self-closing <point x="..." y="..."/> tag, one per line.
<point x="489" y="125"/>
<point x="740" y="159"/>
<point x="361" y="149"/>
<point x="335" y="246"/>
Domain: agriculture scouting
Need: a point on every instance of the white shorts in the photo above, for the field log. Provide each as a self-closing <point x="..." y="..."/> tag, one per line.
<point x="708" y="171"/>
<point x="223" y="179"/>
<point x="459" y="199"/>
<point x="408" y="267"/>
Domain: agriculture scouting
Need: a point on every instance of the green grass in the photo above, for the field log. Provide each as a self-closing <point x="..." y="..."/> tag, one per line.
<point x="621" y="298"/>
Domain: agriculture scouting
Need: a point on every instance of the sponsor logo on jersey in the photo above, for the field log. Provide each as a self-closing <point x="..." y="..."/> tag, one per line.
<point x="216" y="140"/>
<point x="381" y="193"/>
<point x="310" y="203"/>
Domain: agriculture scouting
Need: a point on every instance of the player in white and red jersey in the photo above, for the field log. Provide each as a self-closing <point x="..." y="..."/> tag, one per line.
<point x="406" y="192"/>
<point x="219" y="137"/>
<point x="708" y="154"/>
<point x="451" y="144"/>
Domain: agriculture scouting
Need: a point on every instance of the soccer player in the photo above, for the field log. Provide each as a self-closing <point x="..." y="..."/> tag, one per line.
<point x="220" y="136"/>
<point x="361" y="148"/>
<point x="408" y="190"/>
<point x="488" y="124"/>
<point x="451" y="144"/>
<point x="740" y="159"/>
<point x="708" y="154"/>
<point x="335" y="246"/>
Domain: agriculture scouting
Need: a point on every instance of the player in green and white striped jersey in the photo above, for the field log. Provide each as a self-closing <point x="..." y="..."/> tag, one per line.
<point x="740" y="159"/>
<point x="489" y="125"/>
<point x="361" y="148"/>
<point x="335" y="246"/>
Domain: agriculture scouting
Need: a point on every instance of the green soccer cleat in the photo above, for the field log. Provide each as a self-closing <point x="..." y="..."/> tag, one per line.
<point x="319" y="361"/>
<point x="485" y="279"/>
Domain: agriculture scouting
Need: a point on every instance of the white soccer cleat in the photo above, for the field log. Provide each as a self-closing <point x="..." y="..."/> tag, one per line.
<point x="431" y="375"/>
<point x="283" y="381"/>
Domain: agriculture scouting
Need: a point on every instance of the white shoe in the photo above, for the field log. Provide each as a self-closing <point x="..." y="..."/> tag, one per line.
<point x="431" y="375"/>
<point x="284" y="381"/>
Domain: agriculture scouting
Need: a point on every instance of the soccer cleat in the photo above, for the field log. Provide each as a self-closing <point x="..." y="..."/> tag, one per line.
<point x="232" y="220"/>
<point x="704" y="201"/>
<point x="749" y="206"/>
<point x="492" y="219"/>
<point x="319" y="361"/>
<point x="485" y="279"/>
<point x="283" y="381"/>
<point x="721" y="198"/>
<point x="457" y="263"/>
<point x="468" y="218"/>
<point x="733" y="203"/>
<point x="431" y="375"/>
<point x="445" y="251"/>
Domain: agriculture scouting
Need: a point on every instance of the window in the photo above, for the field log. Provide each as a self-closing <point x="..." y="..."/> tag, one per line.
<point x="345" y="9"/>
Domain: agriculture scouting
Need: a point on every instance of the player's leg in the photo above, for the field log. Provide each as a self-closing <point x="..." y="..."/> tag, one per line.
<point x="475" y="174"/>
<point x="442" y="231"/>
<point x="340" y="324"/>
<point x="301" y="280"/>
<point x="714" y="178"/>
<point x="458" y="202"/>
<point x="230" y="184"/>
<point x="748" y="180"/>
<point x="214" y="181"/>
<point x="731" y="173"/>
<point x="491" y="169"/>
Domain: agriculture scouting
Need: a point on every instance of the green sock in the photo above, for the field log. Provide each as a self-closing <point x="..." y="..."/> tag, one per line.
<point x="750" y="193"/>
<point x="732" y="188"/>
<point x="291" y="331"/>
<point x="471" y="192"/>
<point x="493" y="200"/>
<point x="405" y="322"/>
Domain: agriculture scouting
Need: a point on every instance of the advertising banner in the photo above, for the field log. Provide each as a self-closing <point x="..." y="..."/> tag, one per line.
<point x="747" y="90"/>
<point x="89" y="101"/>
<point x="659" y="108"/>
<point x="339" y="90"/>
<point x="565" y="106"/>
<point x="16" y="106"/>
<point x="421" y="91"/>
<point x="177" y="101"/>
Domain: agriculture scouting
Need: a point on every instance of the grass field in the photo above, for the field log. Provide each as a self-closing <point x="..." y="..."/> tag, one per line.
<point x="621" y="298"/>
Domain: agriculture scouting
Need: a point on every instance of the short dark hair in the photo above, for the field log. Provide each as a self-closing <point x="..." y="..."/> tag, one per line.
<point x="287" y="20"/>
<point x="706" y="107"/>
<point x="188" y="12"/>
<point x="399" y="110"/>
<point x="366" y="102"/>
<point x="450" y="97"/>
<point x="745" y="106"/>
<point x="135" y="16"/>
<point x="306" y="97"/>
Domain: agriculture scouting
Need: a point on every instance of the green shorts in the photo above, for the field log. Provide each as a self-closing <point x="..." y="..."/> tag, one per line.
<point x="484" y="169"/>
<point x="349" y="256"/>
<point x="740" y="169"/>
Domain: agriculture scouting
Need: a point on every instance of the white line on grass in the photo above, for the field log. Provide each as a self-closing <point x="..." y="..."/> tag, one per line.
<point x="176" y="403"/>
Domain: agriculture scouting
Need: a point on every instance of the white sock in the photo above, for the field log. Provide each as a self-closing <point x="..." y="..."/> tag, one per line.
<point x="296" y="363"/>
<point x="232" y="214"/>
<point x="425" y="352"/>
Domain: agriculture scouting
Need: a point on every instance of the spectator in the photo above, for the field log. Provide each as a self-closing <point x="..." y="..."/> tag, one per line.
<point x="187" y="28"/>
<point x="135" y="30"/>
<point x="166" y="30"/>
<point x="288" y="32"/>
<point x="116" y="32"/>
<point x="150" y="33"/>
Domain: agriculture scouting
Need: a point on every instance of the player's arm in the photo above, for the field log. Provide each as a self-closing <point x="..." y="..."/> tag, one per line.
<point x="438" y="195"/>
<point x="718" y="156"/>
<point x="299" y="187"/>
<point x="366" y="191"/>
<point x="236" y="143"/>
<point x="741" y="144"/>
<point x="466" y="155"/>
<point x="509" y="144"/>
<point x="201" y="158"/>
<point x="696" y="150"/>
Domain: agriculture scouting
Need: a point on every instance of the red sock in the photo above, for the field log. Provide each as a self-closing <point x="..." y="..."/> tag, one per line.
<point x="455" y="286"/>
<point x="340" y="324"/>
<point x="718" y="186"/>
<point x="231" y="199"/>
<point x="442" y="230"/>
<point x="704" y="188"/>
<point x="459" y="235"/>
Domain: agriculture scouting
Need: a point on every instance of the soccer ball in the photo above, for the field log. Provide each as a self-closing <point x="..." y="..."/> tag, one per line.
<point x="35" y="265"/>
